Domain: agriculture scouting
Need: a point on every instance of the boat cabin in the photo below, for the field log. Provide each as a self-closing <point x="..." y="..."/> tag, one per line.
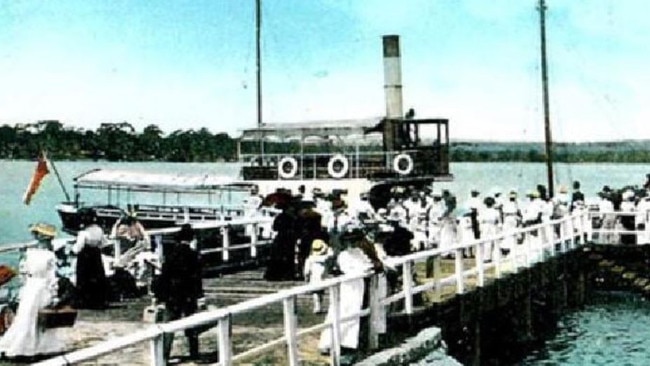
<point x="378" y="149"/>
<point x="157" y="200"/>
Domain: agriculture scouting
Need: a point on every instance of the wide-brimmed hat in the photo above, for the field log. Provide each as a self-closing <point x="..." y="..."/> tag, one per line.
<point x="43" y="229"/>
<point x="319" y="247"/>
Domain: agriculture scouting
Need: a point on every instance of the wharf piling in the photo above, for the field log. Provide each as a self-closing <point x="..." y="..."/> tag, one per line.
<point x="514" y="312"/>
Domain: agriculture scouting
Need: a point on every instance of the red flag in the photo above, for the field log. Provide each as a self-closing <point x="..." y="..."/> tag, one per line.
<point x="41" y="171"/>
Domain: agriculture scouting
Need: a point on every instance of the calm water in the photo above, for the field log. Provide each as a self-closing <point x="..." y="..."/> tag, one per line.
<point x="613" y="329"/>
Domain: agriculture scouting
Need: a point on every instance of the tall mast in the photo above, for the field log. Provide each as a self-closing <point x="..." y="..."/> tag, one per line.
<point x="258" y="65"/>
<point x="547" y="119"/>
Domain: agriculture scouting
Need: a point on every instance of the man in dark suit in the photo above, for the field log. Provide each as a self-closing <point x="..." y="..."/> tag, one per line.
<point x="180" y="287"/>
<point x="577" y="197"/>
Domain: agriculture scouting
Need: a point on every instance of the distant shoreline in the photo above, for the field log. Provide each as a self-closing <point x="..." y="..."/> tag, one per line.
<point x="120" y="142"/>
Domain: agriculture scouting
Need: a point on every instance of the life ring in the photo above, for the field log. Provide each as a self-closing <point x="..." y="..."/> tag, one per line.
<point x="397" y="162"/>
<point x="293" y="167"/>
<point x="344" y="166"/>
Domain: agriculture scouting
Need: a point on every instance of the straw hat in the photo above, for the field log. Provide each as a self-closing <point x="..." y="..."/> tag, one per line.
<point x="318" y="247"/>
<point x="43" y="229"/>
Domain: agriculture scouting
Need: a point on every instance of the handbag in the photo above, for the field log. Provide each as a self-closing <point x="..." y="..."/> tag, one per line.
<point x="49" y="318"/>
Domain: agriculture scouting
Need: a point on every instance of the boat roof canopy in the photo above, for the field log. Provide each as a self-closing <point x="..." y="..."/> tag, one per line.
<point x="157" y="182"/>
<point x="303" y="131"/>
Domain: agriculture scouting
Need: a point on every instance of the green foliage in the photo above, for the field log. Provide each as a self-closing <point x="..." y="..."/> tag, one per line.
<point x="593" y="152"/>
<point x="114" y="142"/>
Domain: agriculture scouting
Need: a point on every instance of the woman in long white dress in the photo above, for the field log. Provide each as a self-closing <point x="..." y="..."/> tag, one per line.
<point x="351" y="261"/>
<point x="25" y="337"/>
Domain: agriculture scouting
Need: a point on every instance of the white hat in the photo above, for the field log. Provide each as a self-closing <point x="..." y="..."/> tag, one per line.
<point x="628" y="194"/>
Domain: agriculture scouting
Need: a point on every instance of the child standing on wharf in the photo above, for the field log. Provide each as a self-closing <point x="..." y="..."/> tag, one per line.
<point x="315" y="269"/>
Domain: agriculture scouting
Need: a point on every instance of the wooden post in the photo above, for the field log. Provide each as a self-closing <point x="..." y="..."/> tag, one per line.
<point x="497" y="259"/>
<point x="480" y="266"/>
<point x="460" y="279"/>
<point x="407" y="280"/>
<point x="156" y="348"/>
<point x="117" y="249"/>
<point x="550" y="240"/>
<point x="225" y="346"/>
<point x="225" y="255"/>
<point x="290" y="323"/>
<point x="527" y="248"/>
<point x="254" y="239"/>
<point x="572" y="228"/>
<point x="590" y="229"/>
<point x="437" y="273"/>
<point x="377" y="322"/>
<point x="335" y="347"/>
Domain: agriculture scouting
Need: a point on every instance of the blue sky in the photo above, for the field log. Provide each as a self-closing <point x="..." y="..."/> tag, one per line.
<point x="191" y="64"/>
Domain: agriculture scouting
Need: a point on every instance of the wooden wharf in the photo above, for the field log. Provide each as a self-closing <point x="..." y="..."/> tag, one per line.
<point x="259" y="322"/>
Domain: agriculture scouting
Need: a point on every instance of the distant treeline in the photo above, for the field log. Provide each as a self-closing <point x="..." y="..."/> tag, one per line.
<point x="628" y="151"/>
<point x="121" y="142"/>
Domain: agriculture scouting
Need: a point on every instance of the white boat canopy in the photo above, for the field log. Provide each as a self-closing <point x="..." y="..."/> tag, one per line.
<point x="312" y="130"/>
<point x="157" y="182"/>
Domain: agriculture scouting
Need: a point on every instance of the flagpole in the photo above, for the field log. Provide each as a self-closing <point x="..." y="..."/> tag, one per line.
<point x="58" y="177"/>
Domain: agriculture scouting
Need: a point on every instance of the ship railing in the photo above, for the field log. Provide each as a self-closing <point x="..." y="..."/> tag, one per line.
<point x="540" y="242"/>
<point x="360" y="164"/>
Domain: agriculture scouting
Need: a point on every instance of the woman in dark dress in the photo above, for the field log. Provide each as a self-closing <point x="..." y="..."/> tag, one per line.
<point x="280" y="266"/>
<point x="92" y="286"/>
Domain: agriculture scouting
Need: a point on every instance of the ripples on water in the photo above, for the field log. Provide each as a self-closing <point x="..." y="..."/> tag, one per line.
<point x="613" y="329"/>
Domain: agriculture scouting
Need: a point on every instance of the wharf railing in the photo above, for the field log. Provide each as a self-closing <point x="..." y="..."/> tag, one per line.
<point x="540" y="242"/>
<point x="251" y="226"/>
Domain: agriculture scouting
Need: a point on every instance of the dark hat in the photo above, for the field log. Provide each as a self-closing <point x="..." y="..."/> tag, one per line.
<point x="337" y="203"/>
<point x="186" y="233"/>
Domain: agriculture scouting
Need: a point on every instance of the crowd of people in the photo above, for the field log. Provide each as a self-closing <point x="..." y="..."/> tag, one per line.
<point x="321" y="235"/>
<point x="316" y="235"/>
<point x="69" y="275"/>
